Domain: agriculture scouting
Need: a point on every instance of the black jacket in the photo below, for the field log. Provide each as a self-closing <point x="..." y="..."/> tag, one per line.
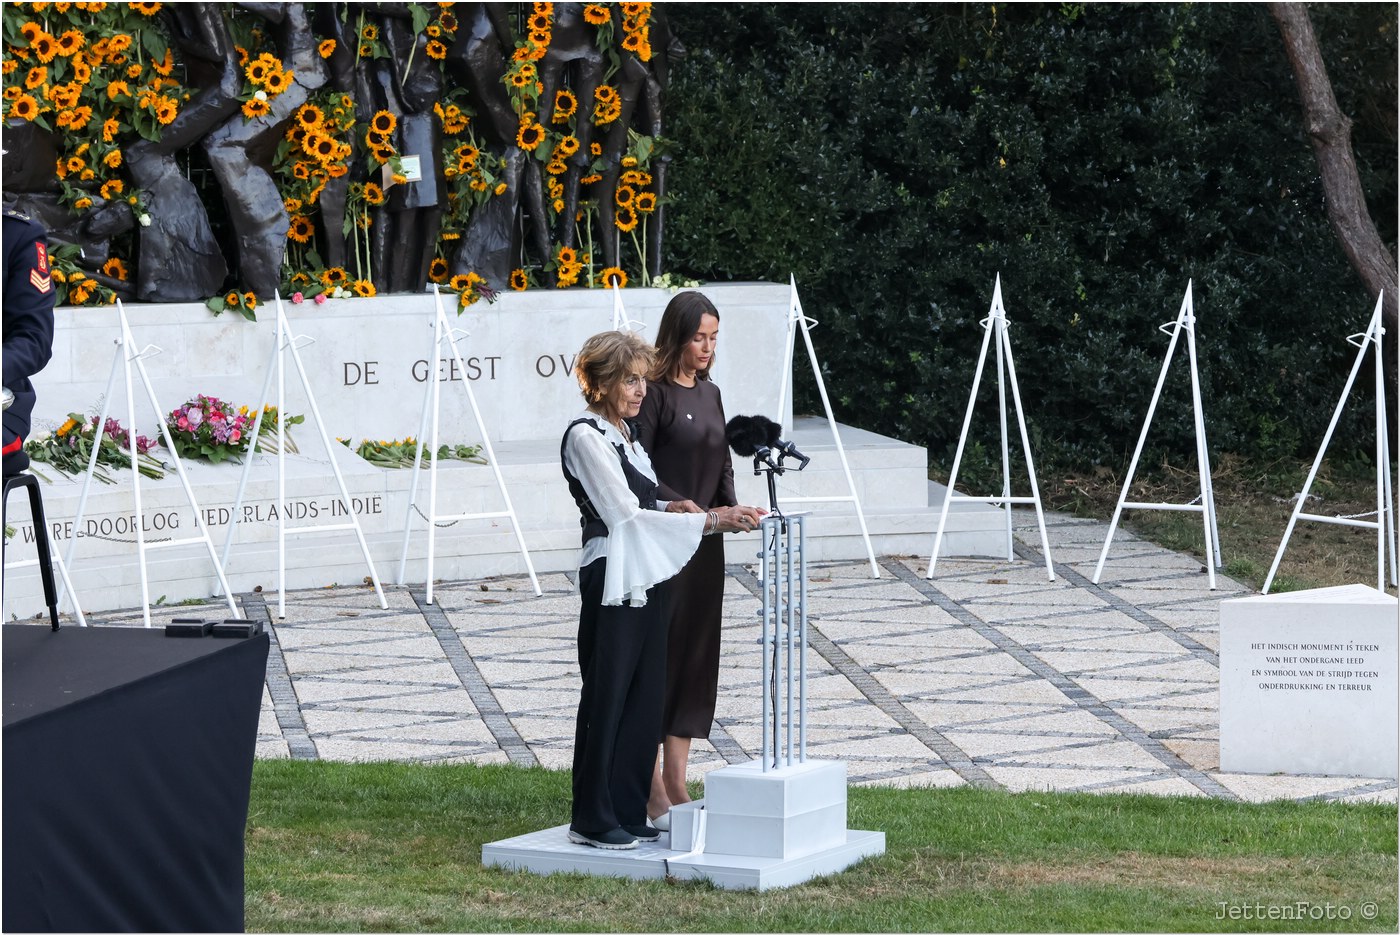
<point x="28" y="318"/>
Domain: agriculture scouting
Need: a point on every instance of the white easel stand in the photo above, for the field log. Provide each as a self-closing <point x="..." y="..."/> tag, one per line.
<point x="127" y="354"/>
<point x="799" y="321"/>
<point x="432" y="397"/>
<point x="286" y="342"/>
<point x="995" y="322"/>
<point x="1384" y="524"/>
<point x="1185" y="321"/>
<point x="620" y="321"/>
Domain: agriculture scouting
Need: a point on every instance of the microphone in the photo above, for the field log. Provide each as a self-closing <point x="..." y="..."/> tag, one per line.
<point x="760" y="436"/>
<point x="748" y="435"/>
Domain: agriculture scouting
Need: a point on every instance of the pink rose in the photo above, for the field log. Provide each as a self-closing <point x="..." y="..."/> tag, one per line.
<point x="320" y="298"/>
<point x="296" y="298"/>
<point x="235" y="435"/>
<point x="183" y="423"/>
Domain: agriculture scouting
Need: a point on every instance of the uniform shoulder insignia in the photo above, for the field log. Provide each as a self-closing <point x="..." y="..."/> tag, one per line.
<point x="20" y="216"/>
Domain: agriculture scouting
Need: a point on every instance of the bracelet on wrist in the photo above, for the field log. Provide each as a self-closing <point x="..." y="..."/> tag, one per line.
<point x="714" y="522"/>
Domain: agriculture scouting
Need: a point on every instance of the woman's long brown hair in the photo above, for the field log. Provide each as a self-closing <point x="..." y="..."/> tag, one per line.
<point x="679" y="323"/>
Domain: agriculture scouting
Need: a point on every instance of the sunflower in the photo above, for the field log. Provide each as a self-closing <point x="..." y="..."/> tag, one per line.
<point x="37" y="75"/>
<point x="529" y="137"/>
<point x="436" y="50"/>
<point x="24" y="107"/>
<point x="607" y="113"/>
<point x="31" y="31"/>
<point x="322" y="147"/>
<point x="374" y="195"/>
<point x="145" y="9"/>
<point x="437" y="270"/>
<point x="326" y="48"/>
<point x="625" y="219"/>
<point x="519" y="280"/>
<point x="605" y="94"/>
<point x="565" y="106"/>
<point x="301" y="229"/>
<point x="383" y="122"/>
<point x="448" y="20"/>
<point x="590" y="179"/>
<point x="110" y="128"/>
<point x="278" y="81"/>
<point x="366" y="50"/>
<point x="133" y="71"/>
<point x="257" y="72"/>
<point x="291" y="205"/>
<point x="310" y="116"/>
<point x="112" y="187"/>
<point x="518" y="79"/>
<point x="556" y="167"/>
<point x="113" y="159"/>
<point x="567" y="256"/>
<point x="70" y="42"/>
<point x="539" y="22"/>
<point x="595" y="14"/>
<point x="501" y="188"/>
<point x="165" y="66"/>
<point x="607" y="276"/>
<point x="369" y="32"/>
<point x="645" y="203"/>
<point x="250" y="301"/>
<point x="632" y="41"/>
<point x="44" y="47"/>
<point x="334" y="276"/>
<point x="255" y="108"/>
<point x="115" y="268"/>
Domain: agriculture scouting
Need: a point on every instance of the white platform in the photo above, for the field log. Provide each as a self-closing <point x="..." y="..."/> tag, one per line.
<point x="549" y="851"/>
<point x="1308" y="683"/>
<point x="755" y="829"/>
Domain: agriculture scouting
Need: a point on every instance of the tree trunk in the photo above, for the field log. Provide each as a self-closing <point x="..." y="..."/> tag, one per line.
<point x="1330" y="132"/>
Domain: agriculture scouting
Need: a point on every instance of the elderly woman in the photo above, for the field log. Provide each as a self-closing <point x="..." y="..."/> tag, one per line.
<point x="631" y="542"/>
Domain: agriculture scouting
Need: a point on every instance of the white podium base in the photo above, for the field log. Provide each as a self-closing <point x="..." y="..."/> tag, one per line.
<point x="549" y="851"/>
<point x="759" y="830"/>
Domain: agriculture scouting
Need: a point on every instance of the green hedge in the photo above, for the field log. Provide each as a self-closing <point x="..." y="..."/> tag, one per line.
<point x="896" y="158"/>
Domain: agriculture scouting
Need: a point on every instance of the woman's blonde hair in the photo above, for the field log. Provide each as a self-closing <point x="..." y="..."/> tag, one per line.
<point x="609" y="358"/>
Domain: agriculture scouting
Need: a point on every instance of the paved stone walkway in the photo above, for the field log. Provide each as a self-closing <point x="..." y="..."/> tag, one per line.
<point x="988" y="674"/>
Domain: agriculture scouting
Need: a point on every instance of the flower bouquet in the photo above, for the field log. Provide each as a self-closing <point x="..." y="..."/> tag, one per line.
<point x="270" y="440"/>
<point x="69" y="448"/>
<point x="209" y="428"/>
<point x="400" y="454"/>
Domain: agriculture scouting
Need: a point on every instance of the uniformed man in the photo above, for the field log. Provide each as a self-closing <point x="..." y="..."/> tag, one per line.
<point x="28" y="328"/>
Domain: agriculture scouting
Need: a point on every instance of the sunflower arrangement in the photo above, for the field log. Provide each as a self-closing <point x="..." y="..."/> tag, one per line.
<point x="101" y="75"/>
<point x="314" y="150"/>
<point x="94" y="74"/>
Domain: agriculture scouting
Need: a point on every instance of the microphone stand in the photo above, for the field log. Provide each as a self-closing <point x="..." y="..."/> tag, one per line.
<point x="783" y="580"/>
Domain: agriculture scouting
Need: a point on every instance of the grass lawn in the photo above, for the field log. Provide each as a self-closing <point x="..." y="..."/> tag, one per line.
<point x="397" y="847"/>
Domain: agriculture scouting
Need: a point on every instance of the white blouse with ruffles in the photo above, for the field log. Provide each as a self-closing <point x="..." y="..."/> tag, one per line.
<point x="643" y="547"/>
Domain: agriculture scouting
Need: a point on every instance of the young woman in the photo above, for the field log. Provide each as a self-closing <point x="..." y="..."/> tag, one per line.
<point x="681" y="425"/>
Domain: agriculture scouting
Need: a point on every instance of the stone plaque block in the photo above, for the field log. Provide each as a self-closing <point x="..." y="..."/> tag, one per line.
<point x="1307" y="683"/>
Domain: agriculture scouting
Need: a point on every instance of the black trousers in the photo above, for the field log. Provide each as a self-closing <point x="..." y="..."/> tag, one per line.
<point x="622" y="655"/>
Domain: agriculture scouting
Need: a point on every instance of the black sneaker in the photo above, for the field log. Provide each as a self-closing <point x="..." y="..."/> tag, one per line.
<point x="644" y="833"/>
<point x="614" y="840"/>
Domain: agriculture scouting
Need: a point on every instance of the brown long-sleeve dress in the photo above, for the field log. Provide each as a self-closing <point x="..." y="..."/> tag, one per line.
<point x="682" y="429"/>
